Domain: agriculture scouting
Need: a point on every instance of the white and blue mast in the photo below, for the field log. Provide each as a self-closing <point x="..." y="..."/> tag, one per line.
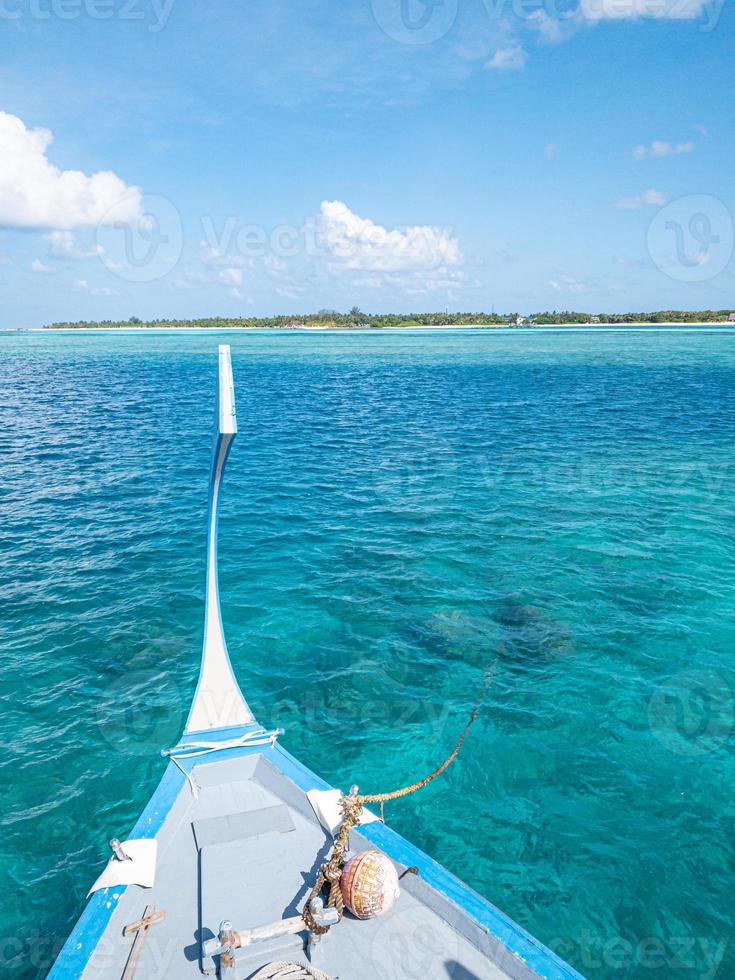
<point x="218" y="701"/>
<point x="219" y="718"/>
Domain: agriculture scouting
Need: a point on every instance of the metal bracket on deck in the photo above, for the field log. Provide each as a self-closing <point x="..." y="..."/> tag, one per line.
<point x="229" y="941"/>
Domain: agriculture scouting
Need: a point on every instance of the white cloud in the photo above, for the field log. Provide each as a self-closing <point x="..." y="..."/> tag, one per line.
<point x="231" y="276"/>
<point x="189" y="278"/>
<point x="640" y="200"/>
<point x="567" y="284"/>
<point x="511" y="58"/>
<point x="560" y="27"/>
<point x="550" y="150"/>
<point x="630" y="263"/>
<point x="82" y="286"/>
<point x="289" y="292"/>
<point x="359" y="243"/>
<point x="368" y="282"/>
<point x="596" y="10"/>
<point x="226" y="269"/>
<point x="275" y="266"/>
<point x="444" y="281"/>
<point x="660" y="148"/>
<point x="209" y="254"/>
<point x="449" y="281"/>
<point x="285" y="280"/>
<point x="40" y="268"/>
<point x="213" y="257"/>
<point x="63" y="245"/>
<point x="36" y="194"/>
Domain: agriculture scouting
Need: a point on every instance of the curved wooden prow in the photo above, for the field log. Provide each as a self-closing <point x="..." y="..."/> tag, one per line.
<point x="218" y="701"/>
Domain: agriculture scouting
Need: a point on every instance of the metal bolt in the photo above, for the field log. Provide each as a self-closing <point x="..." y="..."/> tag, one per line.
<point x="118" y="851"/>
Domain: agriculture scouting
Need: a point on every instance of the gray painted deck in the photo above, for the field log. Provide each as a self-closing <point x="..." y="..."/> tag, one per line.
<point x="247" y="850"/>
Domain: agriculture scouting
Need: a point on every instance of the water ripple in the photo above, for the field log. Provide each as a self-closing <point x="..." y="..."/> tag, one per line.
<point x="402" y="512"/>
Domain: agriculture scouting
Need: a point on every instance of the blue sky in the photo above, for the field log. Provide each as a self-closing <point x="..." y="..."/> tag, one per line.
<point x="160" y="158"/>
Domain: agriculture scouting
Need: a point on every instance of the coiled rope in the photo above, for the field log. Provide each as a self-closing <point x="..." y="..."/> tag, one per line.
<point x="331" y="871"/>
<point x="289" y="971"/>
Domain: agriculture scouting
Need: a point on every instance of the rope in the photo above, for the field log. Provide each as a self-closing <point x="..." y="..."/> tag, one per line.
<point x="289" y="971"/>
<point x="331" y="871"/>
<point x="383" y="798"/>
<point x="191" y="750"/>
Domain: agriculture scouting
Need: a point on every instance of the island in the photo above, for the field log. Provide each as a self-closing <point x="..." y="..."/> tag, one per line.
<point x="355" y="319"/>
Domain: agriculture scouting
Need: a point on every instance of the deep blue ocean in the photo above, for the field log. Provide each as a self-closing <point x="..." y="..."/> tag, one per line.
<point x="403" y="511"/>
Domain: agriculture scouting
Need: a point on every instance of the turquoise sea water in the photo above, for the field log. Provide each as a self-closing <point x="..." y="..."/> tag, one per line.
<point x="402" y="511"/>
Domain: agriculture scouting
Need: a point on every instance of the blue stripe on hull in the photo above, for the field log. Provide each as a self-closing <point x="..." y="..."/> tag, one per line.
<point x="82" y="943"/>
<point x="530" y="951"/>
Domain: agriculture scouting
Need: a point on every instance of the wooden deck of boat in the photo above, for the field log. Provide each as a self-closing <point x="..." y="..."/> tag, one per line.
<point x="247" y="850"/>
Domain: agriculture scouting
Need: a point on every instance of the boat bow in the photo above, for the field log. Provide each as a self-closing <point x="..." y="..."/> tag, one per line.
<point x="238" y="840"/>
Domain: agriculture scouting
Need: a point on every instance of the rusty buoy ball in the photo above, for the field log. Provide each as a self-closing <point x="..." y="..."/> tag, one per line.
<point x="369" y="884"/>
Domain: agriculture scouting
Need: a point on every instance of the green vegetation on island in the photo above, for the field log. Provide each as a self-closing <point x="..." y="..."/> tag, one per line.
<point x="356" y="319"/>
